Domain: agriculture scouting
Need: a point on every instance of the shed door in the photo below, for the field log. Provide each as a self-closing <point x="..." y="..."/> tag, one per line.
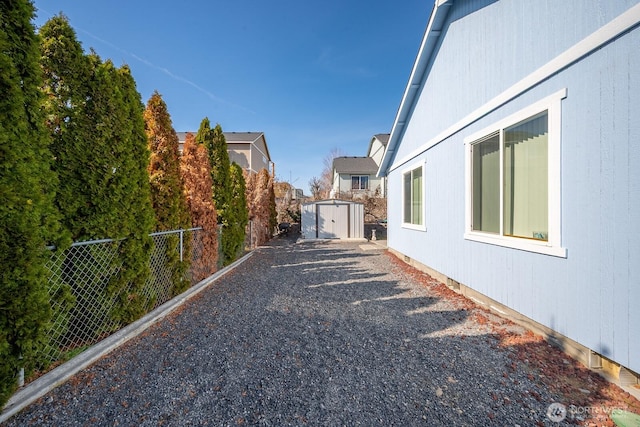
<point x="333" y="221"/>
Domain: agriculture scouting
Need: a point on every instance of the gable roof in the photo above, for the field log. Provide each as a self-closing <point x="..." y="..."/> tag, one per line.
<point x="232" y="137"/>
<point x="363" y="165"/>
<point x="428" y="48"/>
<point x="416" y="79"/>
<point x="247" y="138"/>
<point x="236" y="138"/>
<point x="382" y="137"/>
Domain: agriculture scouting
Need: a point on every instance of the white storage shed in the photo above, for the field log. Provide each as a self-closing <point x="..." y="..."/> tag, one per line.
<point x="332" y="219"/>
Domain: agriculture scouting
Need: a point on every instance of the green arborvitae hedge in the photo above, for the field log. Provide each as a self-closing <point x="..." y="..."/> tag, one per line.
<point x="214" y="141"/>
<point x="216" y="145"/>
<point x="67" y="74"/>
<point x="131" y="188"/>
<point x="28" y="217"/>
<point x="238" y="215"/>
<point x="220" y="172"/>
<point x="95" y="117"/>
<point x="167" y="197"/>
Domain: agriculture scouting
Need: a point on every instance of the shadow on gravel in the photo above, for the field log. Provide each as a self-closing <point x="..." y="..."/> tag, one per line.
<point x="305" y="334"/>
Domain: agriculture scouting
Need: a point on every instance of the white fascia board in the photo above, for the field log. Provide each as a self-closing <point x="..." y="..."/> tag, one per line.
<point x="619" y="25"/>
<point x="427" y="48"/>
<point x="266" y="147"/>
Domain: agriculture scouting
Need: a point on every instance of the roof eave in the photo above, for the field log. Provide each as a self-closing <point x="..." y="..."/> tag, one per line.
<point x="416" y="79"/>
<point x="257" y="135"/>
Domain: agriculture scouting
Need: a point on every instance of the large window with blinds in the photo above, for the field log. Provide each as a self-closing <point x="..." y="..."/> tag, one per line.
<point x="510" y="180"/>
<point x="513" y="182"/>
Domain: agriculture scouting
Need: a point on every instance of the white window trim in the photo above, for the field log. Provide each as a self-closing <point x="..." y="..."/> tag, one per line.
<point x="423" y="226"/>
<point x="360" y="176"/>
<point x="553" y="246"/>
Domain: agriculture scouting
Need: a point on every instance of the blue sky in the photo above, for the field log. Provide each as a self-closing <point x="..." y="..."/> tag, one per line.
<point x="313" y="75"/>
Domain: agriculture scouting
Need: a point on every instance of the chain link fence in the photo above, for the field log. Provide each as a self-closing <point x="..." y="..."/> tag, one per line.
<point x="79" y="279"/>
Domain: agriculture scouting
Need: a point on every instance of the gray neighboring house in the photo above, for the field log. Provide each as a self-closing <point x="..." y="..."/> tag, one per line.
<point x="357" y="175"/>
<point x="247" y="149"/>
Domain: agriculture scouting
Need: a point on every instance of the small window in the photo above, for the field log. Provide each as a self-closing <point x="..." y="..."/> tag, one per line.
<point x="413" y="207"/>
<point x="486" y="184"/>
<point x="513" y="181"/>
<point x="360" y="182"/>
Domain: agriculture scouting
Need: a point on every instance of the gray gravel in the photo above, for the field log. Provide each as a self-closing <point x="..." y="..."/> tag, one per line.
<point x="312" y="334"/>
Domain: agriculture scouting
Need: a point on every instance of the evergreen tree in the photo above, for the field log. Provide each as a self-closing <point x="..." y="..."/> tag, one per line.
<point x="131" y="189"/>
<point x="238" y="216"/>
<point x="198" y="189"/>
<point x="214" y="141"/>
<point x="164" y="168"/>
<point x="66" y="71"/>
<point x="95" y="117"/>
<point x="166" y="185"/>
<point x="27" y="184"/>
<point x="220" y="172"/>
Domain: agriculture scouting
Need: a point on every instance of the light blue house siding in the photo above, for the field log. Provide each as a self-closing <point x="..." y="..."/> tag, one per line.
<point x="482" y="69"/>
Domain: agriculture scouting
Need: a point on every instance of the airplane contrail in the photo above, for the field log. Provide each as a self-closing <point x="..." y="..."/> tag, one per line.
<point x="158" y="68"/>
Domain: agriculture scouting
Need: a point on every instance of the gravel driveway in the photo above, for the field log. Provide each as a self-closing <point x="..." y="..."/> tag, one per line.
<point x="312" y="334"/>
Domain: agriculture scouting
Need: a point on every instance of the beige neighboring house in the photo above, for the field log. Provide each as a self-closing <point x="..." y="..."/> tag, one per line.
<point x="377" y="146"/>
<point x="357" y="176"/>
<point x="247" y="149"/>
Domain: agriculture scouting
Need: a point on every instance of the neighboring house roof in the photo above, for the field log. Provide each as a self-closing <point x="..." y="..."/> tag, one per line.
<point x="236" y="138"/>
<point x="246" y="138"/>
<point x="183" y="135"/>
<point x="355" y="165"/>
<point x="242" y="136"/>
<point x="382" y="137"/>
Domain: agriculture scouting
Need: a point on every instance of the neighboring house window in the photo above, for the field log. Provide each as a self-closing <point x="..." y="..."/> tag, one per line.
<point x="413" y="203"/>
<point x="513" y="188"/>
<point x="360" y="182"/>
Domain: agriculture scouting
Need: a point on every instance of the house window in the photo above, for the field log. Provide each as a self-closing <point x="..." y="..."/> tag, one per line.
<point x="513" y="181"/>
<point x="360" y="182"/>
<point x="413" y="206"/>
<point x="523" y="176"/>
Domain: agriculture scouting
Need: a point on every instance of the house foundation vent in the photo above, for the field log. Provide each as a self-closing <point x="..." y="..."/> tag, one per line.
<point x="595" y="361"/>
<point x="628" y="378"/>
<point x="453" y="284"/>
